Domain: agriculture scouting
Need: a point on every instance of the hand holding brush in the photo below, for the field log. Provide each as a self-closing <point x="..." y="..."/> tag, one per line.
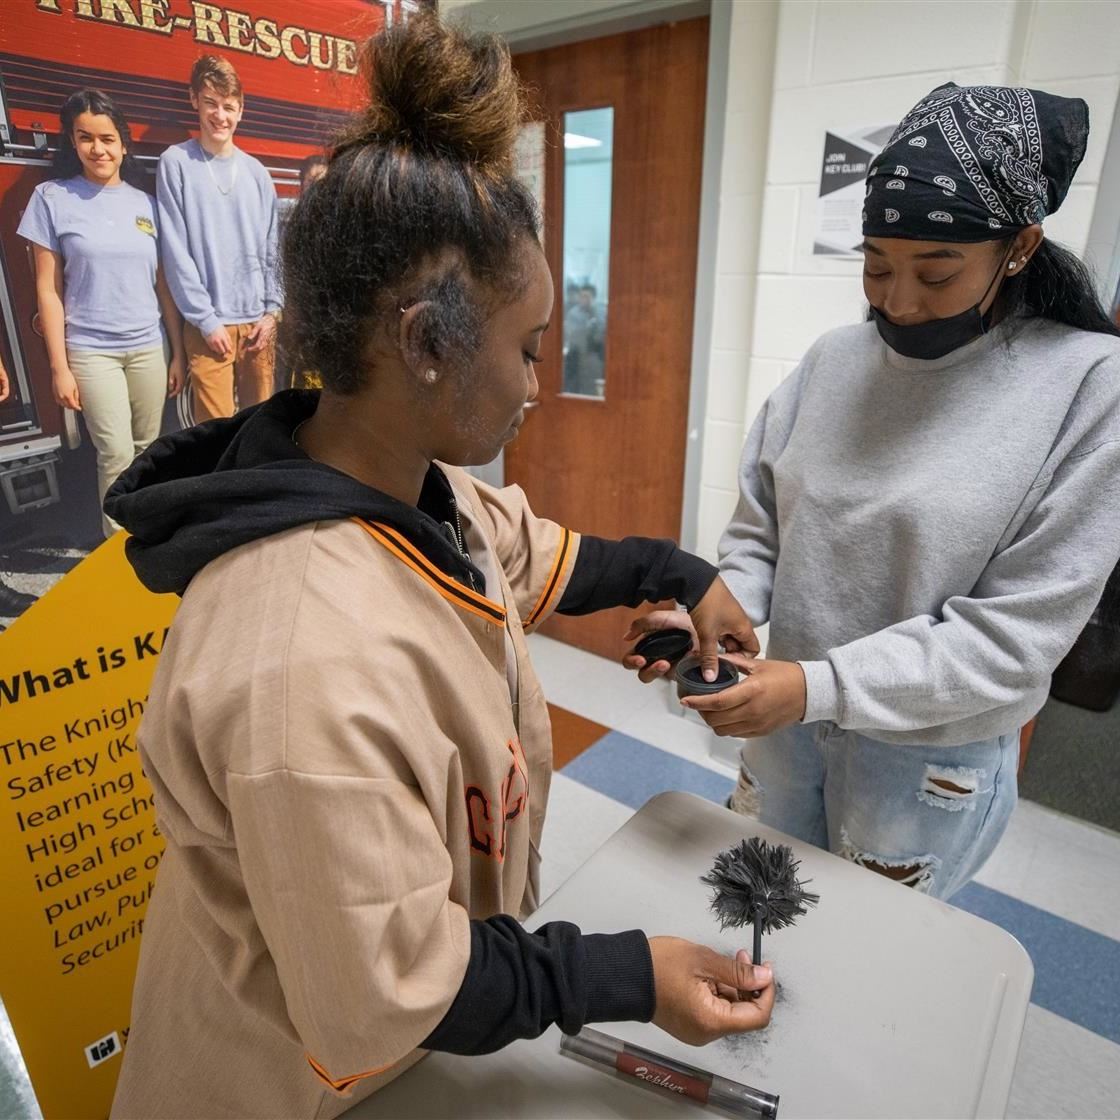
<point x="756" y="884"/>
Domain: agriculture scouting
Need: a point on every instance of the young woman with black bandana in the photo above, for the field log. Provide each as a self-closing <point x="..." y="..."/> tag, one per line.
<point x="929" y="505"/>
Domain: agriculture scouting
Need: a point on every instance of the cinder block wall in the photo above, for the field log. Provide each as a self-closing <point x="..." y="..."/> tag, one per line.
<point x="844" y="63"/>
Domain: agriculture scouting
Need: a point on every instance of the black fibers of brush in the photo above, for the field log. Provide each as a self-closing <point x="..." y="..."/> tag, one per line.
<point x="757" y="879"/>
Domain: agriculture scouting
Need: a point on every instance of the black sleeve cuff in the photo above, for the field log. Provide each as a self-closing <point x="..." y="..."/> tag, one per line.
<point x="518" y="984"/>
<point x="633" y="571"/>
<point x="619" y="978"/>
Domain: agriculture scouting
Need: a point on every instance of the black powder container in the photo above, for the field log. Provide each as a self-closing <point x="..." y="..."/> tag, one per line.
<point x="690" y="678"/>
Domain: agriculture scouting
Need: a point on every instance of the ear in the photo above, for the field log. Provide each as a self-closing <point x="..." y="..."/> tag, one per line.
<point x="194" y="100"/>
<point x="1026" y="245"/>
<point x="415" y="339"/>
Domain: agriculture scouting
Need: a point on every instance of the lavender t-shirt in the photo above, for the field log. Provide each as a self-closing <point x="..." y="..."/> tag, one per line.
<point x="107" y="239"/>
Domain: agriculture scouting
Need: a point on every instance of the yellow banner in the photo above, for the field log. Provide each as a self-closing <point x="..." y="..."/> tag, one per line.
<point x="79" y="846"/>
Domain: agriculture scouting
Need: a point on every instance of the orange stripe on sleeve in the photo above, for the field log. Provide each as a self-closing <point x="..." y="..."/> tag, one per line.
<point x="444" y="584"/>
<point x="552" y="585"/>
<point x="345" y="1084"/>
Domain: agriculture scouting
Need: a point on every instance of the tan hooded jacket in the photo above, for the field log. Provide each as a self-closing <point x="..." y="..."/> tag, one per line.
<point x="351" y="756"/>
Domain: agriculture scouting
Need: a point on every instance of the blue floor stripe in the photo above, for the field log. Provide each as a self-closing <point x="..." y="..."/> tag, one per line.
<point x="632" y="772"/>
<point x="1077" y="971"/>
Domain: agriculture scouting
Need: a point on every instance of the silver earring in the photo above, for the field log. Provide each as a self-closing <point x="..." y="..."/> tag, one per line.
<point x="431" y="376"/>
<point x="1011" y="267"/>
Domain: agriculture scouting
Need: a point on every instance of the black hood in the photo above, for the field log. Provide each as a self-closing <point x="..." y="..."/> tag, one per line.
<point x="196" y="494"/>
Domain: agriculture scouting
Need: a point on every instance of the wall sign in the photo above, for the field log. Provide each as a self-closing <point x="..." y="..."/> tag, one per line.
<point x="847" y="156"/>
<point x="79" y="845"/>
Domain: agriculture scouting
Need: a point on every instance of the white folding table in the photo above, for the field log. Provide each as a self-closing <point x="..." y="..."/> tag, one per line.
<point x="890" y="1003"/>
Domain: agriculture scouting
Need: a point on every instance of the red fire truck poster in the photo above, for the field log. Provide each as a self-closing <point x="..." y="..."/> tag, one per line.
<point x="297" y="61"/>
<point x="67" y="597"/>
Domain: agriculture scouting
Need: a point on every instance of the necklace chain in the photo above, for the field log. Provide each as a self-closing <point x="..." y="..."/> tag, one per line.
<point x="233" y="177"/>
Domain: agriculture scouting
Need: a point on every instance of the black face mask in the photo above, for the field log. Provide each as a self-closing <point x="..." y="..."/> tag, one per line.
<point x="938" y="337"/>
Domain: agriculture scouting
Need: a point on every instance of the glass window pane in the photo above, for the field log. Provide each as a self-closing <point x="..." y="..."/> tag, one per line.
<point x="588" y="150"/>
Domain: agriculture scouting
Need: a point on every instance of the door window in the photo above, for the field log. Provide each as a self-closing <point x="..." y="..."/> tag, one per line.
<point x="588" y="151"/>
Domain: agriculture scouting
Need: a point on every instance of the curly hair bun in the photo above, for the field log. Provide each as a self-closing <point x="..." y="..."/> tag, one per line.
<point x="418" y="198"/>
<point x="440" y="91"/>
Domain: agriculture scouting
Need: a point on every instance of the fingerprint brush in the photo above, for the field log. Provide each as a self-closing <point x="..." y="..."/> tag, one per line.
<point x="756" y="884"/>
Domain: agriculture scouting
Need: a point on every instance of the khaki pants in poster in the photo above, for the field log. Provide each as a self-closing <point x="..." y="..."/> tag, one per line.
<point x="213" y="379"/>
<point x="122" y="397"/>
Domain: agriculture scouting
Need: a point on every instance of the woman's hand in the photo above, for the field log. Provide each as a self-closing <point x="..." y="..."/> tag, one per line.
<point x="703" y="995"/>
<point x="5" y="385"/>
<point x="646" y="624"/>
<point x="65" y="389"/>
<point x="772" y="696"/>
<point x="718" y="619"/>
<point x="176" y="375"/>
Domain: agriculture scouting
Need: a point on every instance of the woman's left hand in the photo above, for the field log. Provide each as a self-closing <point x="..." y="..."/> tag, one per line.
<point x="772" y="696"/>
<point x="647" y="624"/>
<point x="176" y="377"/>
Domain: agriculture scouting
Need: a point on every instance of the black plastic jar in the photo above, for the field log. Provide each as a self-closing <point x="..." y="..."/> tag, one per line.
<point x="690" y="678"/>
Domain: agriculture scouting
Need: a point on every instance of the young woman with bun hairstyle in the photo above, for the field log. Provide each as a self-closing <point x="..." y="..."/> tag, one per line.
<point x="350" y="751"/>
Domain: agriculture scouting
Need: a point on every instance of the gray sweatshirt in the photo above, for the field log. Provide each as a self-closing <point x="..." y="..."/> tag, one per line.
<point x="218" y="249"/>
<point x="928" y="538"/>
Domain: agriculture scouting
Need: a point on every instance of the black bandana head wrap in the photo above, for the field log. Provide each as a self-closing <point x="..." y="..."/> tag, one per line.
<point x="975" y="163"/>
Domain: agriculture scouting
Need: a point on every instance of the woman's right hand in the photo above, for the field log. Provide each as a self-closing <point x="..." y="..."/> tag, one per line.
<point x="65" y="389"/>
<point x="703" y="995"/>
<point x="176" y="376"/>
<point x="647" y="624"/>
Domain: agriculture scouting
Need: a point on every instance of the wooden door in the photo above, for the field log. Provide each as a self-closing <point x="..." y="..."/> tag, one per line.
<point x="614" y="466"/>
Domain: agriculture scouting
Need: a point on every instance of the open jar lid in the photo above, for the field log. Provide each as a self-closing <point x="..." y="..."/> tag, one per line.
<point x="664" y="645"/>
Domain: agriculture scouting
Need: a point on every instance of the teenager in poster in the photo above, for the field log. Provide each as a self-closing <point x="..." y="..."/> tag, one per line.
<point x="113" y="334"/>
<point x="219" y="218"/>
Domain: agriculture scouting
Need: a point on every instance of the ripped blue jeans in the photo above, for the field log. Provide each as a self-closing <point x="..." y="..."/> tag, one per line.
<point x="927" y="816"/>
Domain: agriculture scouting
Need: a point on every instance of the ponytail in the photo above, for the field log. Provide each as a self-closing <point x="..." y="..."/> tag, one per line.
<point x="1056" y="285"/>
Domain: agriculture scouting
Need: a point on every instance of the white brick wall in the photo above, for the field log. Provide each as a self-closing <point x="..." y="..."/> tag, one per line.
<point x="1072" y="47"/>
<point x="1071" y="38"/>
<point x="742" y="178"/>
<point x="844" y="63"/>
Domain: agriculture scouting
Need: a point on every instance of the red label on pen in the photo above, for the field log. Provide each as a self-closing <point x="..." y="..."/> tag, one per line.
<point x="663" y="1077"/>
